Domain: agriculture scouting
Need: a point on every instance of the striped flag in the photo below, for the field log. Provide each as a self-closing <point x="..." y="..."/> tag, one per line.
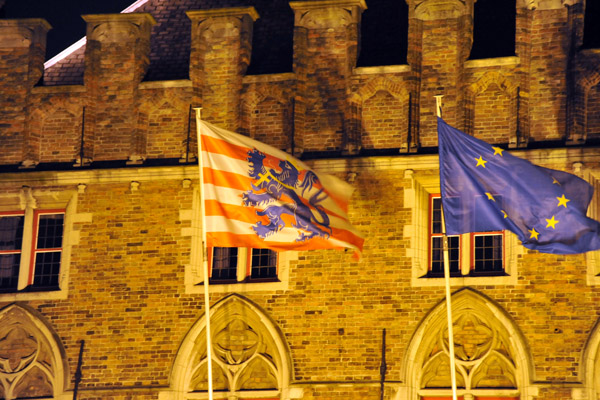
<point x="260" y="197"/>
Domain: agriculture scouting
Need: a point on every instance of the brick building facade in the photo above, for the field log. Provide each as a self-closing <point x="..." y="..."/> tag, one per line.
<point x="99" y="207"/>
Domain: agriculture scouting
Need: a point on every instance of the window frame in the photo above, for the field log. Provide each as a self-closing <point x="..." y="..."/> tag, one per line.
<point x="27" y="200"/>
<point x="244" y="268"/>
<point x="35" y="251"/>
<point x="466" y="246"/>
<point x="29" y="250"/>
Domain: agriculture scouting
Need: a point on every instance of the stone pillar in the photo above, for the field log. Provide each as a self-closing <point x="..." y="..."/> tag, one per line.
<point x="116" y="60"/>
<point x="22" y="52"/>
<point x="441" y="35"/>
<point x="326" y="36"/>
<point x="544" y="43"/>
<point x="220" y="54"/>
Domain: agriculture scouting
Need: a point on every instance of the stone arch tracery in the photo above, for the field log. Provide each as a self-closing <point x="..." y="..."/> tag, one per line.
<point x="490" y="353"/>
<point x="248" y="353"/>
<point x="32" y="361"/>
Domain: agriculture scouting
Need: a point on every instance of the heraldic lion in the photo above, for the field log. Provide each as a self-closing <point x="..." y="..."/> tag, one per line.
<point x="274" y="190"/>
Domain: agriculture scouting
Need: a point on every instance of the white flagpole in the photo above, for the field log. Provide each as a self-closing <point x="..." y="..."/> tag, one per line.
<point x="438" y="106"/>
<point x="204" y="257"/>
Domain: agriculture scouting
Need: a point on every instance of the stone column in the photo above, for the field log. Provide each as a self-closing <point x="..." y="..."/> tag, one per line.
<point x="220" y="54"/>
<point x="326" y="35"/>
<point x="22" y="52"/>
<point x="116" y="60"/>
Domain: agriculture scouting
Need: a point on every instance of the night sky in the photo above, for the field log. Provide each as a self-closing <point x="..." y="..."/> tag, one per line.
<point x="492" y="17"/>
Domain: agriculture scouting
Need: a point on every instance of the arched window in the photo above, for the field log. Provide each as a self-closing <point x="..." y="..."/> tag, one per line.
<point x="33" y="362"/>
<point x="493" y="29"/>
<point x="249" y="355"/>
<point x="490" y="355"/>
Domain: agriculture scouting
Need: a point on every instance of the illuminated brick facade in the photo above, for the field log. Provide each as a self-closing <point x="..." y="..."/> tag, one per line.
<point x="103" y="137"/>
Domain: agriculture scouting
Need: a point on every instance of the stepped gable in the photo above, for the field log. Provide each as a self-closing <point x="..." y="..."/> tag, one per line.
<point x="170" y="41"/>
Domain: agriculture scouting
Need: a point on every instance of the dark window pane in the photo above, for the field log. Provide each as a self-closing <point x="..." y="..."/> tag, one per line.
<point x="47" y="268"/>
<point x="264" y="264"/>
<point x="50" y="231"/>
<point x="488" y="253"/>
<point x="11" y="232"/>
<point x="437" y="254"/>
<point x="224" y="263"/>
<point x="9" y="271"/>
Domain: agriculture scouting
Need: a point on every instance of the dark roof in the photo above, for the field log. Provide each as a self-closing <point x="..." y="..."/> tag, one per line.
<point x="170" y="40"/>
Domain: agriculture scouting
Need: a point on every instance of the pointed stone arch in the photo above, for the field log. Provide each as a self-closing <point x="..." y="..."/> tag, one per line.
<point x="491" y="102"/>
<point x="378" y="132"/>
<point x="32" y="359"/>
<point x="490" y="352"/>
<point x="586" y="101"/>
<point x="267" y="111"/>
<point x="590" y="365"/>
<point x="53" y="132"/>
<point x="161" y="128"/>
<point x="249" y="353"/>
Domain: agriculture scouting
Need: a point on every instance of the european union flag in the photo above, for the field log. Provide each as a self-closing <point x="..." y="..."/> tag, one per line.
<point x="484" y="188"/>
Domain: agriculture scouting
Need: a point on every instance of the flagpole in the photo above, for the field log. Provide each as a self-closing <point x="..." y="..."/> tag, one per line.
<point x="204" y="257"/>
<point x="438" y="107"/>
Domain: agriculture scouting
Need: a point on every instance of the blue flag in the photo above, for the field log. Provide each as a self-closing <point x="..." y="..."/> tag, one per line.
<point x="484" y="188"/>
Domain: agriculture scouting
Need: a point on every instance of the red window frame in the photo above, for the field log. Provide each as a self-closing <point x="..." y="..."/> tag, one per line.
<point x="249" y="269"/>
<point x="34" y="241"/>
<point x="247" y="272"/>
<point x="472" y="248"/>
<point x="431" y="235"/>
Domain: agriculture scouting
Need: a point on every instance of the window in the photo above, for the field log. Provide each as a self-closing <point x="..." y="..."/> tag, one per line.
<point x="30" y="250"/>
<point x="475" y="254"/>
<point x="233" y="265"/>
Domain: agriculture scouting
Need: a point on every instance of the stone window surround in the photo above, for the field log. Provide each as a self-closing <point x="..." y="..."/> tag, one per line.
<point x="27" y="200"/>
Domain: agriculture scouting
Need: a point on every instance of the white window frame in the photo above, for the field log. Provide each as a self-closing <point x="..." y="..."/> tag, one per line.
<point x="417" y="198"/>
<point x="28" y="201"/>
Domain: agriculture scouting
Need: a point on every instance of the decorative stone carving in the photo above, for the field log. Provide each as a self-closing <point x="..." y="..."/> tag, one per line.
<point x="117" y="28"/>
<point x="28" y="364"/>
<point x="431" y="10"/>
<point x="327" y="14"/>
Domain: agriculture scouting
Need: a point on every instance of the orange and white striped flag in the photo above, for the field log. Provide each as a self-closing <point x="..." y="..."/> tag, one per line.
<point x="258" y="196"/>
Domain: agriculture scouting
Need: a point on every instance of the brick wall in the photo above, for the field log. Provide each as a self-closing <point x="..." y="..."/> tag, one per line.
<point x="126" y="287"/>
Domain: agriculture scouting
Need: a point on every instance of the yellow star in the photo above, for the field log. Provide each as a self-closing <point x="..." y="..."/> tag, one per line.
<point x="480" y="161"/>
<point x="504" y="213"/>
<point x="498" y="150"/>
<point x="534" y="234"/>
<point x="489" y="196"/>
<point x="555" y="182"/>
<point x="552" y="222"/>
<point x="562" y="201"/>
